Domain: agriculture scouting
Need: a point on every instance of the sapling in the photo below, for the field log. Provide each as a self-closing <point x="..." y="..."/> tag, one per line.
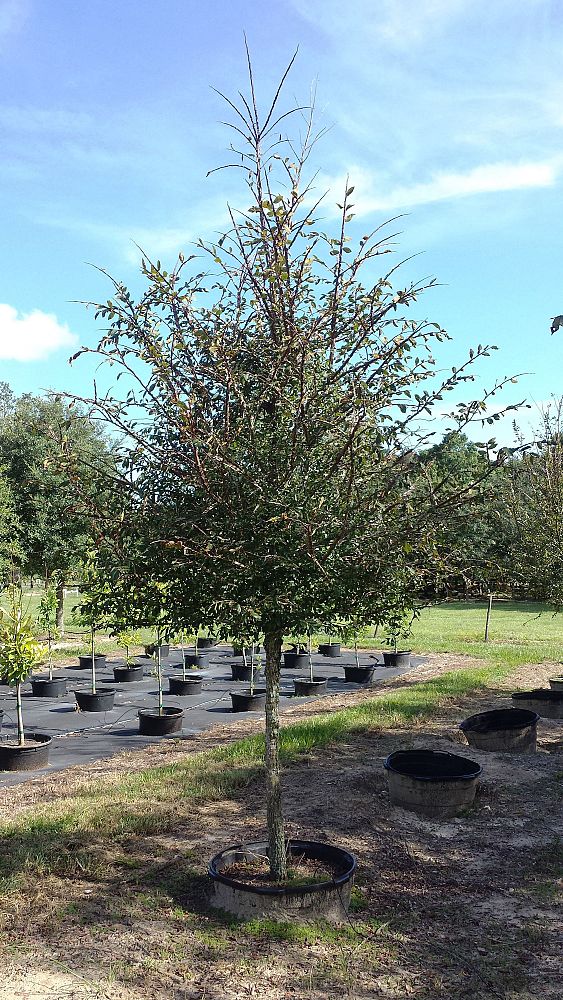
<point x="19" y="650"/>
<point x="47" y="621"/>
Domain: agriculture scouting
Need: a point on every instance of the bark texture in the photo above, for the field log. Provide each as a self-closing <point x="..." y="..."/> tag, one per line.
<point x="276" y="834"/>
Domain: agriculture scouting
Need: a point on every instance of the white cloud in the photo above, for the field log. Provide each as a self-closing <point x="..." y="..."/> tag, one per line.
<point x="370" y="195"/>
<point x="31" y="336"/>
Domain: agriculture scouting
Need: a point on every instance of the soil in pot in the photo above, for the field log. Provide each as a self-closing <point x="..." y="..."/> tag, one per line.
<point x="127" y="674"/>
<point x="318" y="888"/>
<point x="240" y="672"/>
<point x="304" y="687"/>
<point x="244" y="701"/>
<point x="402" y="658"/>
<point x="101" y="701"/>
<point x="154" y="723"/>
<point x="44" y="687"/>
<point x="85" y="662"/>
<point x="296" y="661"/>
<point x="34" y="754"/>
<point x="431" y="782"/>
<point x="185" y="686"/>
<point x="556" y="683"/>
<point x="506" y="729"/>
<point x="548" y="703"/>
<point x="358" y="675"/>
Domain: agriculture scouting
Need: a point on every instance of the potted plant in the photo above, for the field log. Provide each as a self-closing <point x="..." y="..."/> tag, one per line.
<point x="48" y="686"/>
<point x="246" y="670"/>
<point x="162" y="720"/>
<point x="398" y="627"/>
<point x="330" y="648"/>
<point x="297" y="656"/>
<point x="19" y="652"/>
<point x="98" y="698"/>
<point x="304" y="687"/>
<point x="358" y="673"/>
<point x="187" y="684"/>
<point x="131" y="670"/>
<point x="252" y="699"/>
<point x="196" y="659"/>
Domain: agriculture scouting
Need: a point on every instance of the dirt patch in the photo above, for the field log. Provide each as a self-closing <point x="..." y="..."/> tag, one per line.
<point x="464" y="908"/>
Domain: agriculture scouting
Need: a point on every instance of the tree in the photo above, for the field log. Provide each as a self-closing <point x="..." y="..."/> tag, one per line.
<point x="10" y="551"/>
<point x="19" y="652"/>
<point x="53" y="457"/>
<point x="273" y="415"/>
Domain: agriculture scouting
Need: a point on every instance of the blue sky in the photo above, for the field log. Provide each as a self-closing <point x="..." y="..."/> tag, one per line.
<point x="450" y="111"/>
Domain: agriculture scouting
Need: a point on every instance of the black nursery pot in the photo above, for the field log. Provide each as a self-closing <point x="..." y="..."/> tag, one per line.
<point x="547" y="702"/>
<point x="244" y="701"/>
<point x="402" y="658"/>
<point x="206" y="643"/>
<point x="1" y="719"/>
<point x="85" y="662"/>
<point x="304" y="687"/>
<point x="331" y="649"/>
<point x="128" y="673"/>
<point x="151" y="649"/>
<point x="195" y="660"/>
<point x="28" y="757"/>
<point x="327" y="899"/>
<point x="101" y="701"/>
<point x="185" y="686"/>
<point x="237" y="650"/>
<point x="432" y="782"/>
<point x="294" y="661"/>
<point x="512" y="730"/>
<point x="358" y="675"/>
<point x="43" y="687"/>
<point x="241" y="673"/>
<point x="152" y="723"/>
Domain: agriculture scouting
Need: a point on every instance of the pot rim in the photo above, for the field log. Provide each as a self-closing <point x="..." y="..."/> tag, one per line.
<point x="99" y="691"/>
<point x="512" y="718"/>
<point x="168" y="711"/>
<point x="42" y="739"/>
<point x="474" y="770"/>
<point x="538" y="694"/>
<point x="315" y="849"/>
<point x="259" y="693"/>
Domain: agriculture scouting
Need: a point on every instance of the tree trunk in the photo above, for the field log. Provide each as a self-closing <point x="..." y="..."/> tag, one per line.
<point x="21" y="733"/>
<point x="93" y="653"/>
<point x="276" y="836"/>
<point x="60" y="605"/>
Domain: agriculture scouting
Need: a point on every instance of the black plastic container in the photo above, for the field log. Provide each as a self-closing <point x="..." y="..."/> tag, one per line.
<point x="327" y="899"/>
<point x="1" y="719"/>
<point x="237" y="650"/>
<point x="295" y="661"/>
<point x="195" y="660"/>
<point x="128" y="674"/>
<point x="26" y="758"/>
<point x="556" y="683"/>
<point x="547" y="702"/>
<point x="151" y="649"/>
<point x="330" y="649"/>
<point x="244" y="701"/>
<point x="240" y="672"/>
<point x="85" y="661"/>
<point x="358" y="675"/>
<point x="305" y="688"/>
<point x="432" y="782"/>
<point x="206" y="643"/>
<point x="151" y="723"/>
<point x="43" y="687"/>
<point x="402" y="658"/>
<point x="101" y="701"/>
<point x="185" y="686"/>
<point x="513" y="730"/>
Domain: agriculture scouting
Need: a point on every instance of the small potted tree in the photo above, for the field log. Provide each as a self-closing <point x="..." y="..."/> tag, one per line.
<point x="187" y="684"/>
<point x="357" y="673"/>
<point x="162" y="720"/>
<point x="131" y="670"/>
<point x="249" y="650"/>
<point x="48" y="686"/>
<point x="19" y="652"/>
<point x="252" y="699"/>
<point x="88" y="614"/>
<point x="297" y="656"/>
<point x="311" y="685"/>
<point x="398" y="627"/>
